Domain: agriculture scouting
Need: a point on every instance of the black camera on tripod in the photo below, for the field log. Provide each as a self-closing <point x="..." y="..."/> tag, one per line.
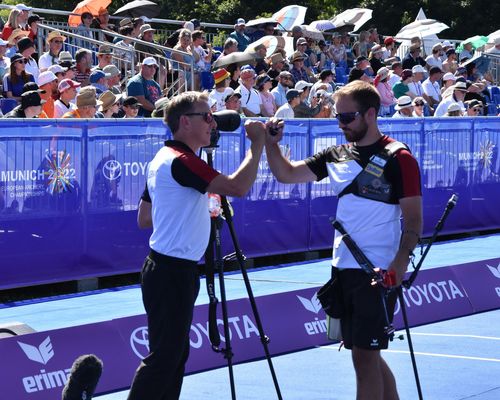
<point x="227" y="121"/>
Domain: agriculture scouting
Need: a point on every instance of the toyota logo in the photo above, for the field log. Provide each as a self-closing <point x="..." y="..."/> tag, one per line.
<point x="112" y="170"/>
<point x="139" y="342"/>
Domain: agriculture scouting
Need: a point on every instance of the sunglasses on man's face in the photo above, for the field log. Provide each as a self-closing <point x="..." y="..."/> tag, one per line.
<point x="207" y="116"/>
<point x="347" y="118"/>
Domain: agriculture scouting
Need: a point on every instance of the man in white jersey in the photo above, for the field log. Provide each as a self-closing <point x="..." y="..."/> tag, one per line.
<point x="175" y="204"/>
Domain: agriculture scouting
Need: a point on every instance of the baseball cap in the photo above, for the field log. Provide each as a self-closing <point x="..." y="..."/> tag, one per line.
<point x="292" y="94"/>
<point x="57" y="69"/>
<point x="149" y="61"/>
<point x="34" y="18"/>
<point x="31" y="99"/>
<point x="131" y="101"/>
<point x="449" y="77"/>
<point x="96" y="75"/>
<point x="418" y="68"/>
<point x="301" y="85"/>
<point x="46" y="77"/>
<point x="240" y="21"/>
<point x="234" y="94"/>
<point x="66" y="84"/>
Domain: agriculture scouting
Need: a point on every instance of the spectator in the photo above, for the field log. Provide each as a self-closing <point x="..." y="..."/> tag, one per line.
<point x="131" y="107"/>
<point x="222" y="89"/>
<point x="55" y="41"/>
<point x="297" y="33"/>
<point x="457" y="96"/>
<point x="474" y="108"/>
<point x="418" y="107"/>
<point x="448" y="81"/>
<point x="266" y="30"/>
<point x="86" y="104"/>
<point x="263" y="85"/>
<point x="15" y="36"/>
<point x="373" y="37"/>
<point x="233" y="102"/>
<point x="375" y="58"/>
<point x="467" y="51"/>
<point x="104" y="57"/>
<point x="303" y="49"/>
<point x="395" y="73"/>
<point x="48" y="83"/>
<point x="338" y="51"/>
<point x="359" y="70"/>
<point x="144" y="50"/>
<point x="102" y="20"/>
<point x="450" y="64"/>
<point x="67" y="93"/>
<point x="202" y="57"/>
<point x="30" y="107"/>
<point x="230" y="46"/>
<point x="390" y="48"/>
<point x="184" y="60"/>
<point x="109" y="105"/>
<point x="144" y="88"/>
<point x="286" y="110"/>
<point x="261" y="65"/>
<point x="234" y="72"/>
<point x="251" y="103"/>
<point x="303" y="109"/>
<point x="13" y="23"/>
<point x="23" y="17"/>
<point x="325" y="82"/>
<point x="432" y="88"/>
<point x="413" y="58"/>
<point x="454" y="110"/>
<point x="285" y="82"/>
<point x="58" y="71"/>
<point x="66" y="61"/>
<point x="401" y="88"/>
<point x="124" y="51"/>
<point x="239" y="34"/>
<point x="84" y="28"/>
<point x="33" y="27"/>
<point x="362" y="46"/>
<point x="4" y="61"/>
<point x="298" y="71"/>
<point x="387" y="99"/>
<point x="324" y="57"/>
<point x="99" y="80"/>
<point x="404" y="108"/>
<point x="435" y="60"/>
<point x="113" y="80"/>
<point x="277" y="63"/>
<point x="26" y="48"/>
<point x="14" y="81"/>
<point x="83" y="58"/>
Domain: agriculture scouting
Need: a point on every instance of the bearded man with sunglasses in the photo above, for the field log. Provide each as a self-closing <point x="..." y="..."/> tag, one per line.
<point x="376" y="184"/>
<point x="175" y="204"/>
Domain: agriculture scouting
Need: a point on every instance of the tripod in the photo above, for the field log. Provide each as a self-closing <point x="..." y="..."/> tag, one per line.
<point x="214" y="248"/>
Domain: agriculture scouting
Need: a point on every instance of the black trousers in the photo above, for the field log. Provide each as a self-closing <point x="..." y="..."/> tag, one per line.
<point x="169" y="289"/>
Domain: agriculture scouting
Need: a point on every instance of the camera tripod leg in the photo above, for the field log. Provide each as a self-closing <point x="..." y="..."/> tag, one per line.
<point x="227" y="350"/>
<point x="410" y="343"/>
<point x="241" y="261"/>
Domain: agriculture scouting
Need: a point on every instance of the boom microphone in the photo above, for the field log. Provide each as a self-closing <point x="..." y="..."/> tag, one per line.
<point x="227" y="120"/>
<point x="83" y="378"/>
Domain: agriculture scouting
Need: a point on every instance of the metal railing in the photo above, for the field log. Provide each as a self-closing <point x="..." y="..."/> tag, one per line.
<point x="174" y="76"/>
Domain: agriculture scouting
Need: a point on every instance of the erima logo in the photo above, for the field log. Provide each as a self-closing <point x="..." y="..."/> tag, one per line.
<point x="313" y="305"/>
<point x="41" y="354"/>
<point x="45" y="379"/>
<point x="495" y="270"/>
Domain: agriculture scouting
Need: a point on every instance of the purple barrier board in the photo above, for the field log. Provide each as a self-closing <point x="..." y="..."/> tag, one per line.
<point x="36" y="366"/>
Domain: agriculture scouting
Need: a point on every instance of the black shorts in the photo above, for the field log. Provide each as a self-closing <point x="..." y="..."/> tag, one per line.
<point x="363" y="322"/>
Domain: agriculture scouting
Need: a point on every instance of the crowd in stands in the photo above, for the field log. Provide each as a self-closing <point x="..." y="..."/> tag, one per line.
<point x="96" y="82"/>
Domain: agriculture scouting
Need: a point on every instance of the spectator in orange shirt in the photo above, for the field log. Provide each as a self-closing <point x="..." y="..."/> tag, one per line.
<point x="47" y="81"/>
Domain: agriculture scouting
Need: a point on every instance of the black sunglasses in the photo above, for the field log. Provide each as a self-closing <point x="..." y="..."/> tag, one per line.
<point x="24" y="61"/>
<point x="419" y="104"/>
<point x="207" y="116"/>
<point x="347" y="118"/>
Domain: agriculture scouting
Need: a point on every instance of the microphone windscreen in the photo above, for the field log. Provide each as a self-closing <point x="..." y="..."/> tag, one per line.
<point x="83" y="378"/>
<point x="227" y="120"/>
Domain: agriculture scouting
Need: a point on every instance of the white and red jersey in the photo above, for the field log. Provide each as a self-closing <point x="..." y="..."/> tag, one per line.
<point x="374" y="225"/>
<point x="176" y="186"/>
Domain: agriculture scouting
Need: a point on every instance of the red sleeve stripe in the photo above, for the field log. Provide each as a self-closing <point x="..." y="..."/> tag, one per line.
<point x="410" y="174"/>
<point x="195" y="164"/>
